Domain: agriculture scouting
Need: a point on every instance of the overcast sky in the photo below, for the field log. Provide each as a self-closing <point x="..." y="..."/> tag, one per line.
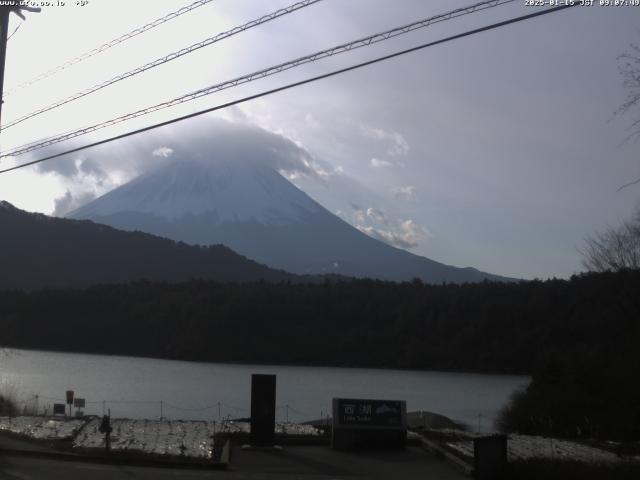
<point x="497" y="151"/>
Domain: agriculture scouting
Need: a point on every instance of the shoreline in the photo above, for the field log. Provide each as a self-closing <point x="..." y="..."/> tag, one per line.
<point x="262" y="365"/>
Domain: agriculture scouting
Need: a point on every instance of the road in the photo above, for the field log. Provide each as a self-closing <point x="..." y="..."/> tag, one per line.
<point x="304" y="463"/>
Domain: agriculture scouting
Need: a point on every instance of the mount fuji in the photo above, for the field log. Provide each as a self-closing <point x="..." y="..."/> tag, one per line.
<point x="248" y="206"/>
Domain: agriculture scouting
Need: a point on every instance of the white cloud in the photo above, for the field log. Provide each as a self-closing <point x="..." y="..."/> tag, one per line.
<point x="290" y="175"/>
<point x="70" y="201"/>
<point x="376" y="215"/>
<point x="311" y="121"/>
<point x="368" y="215"/>
<point x="83" y="179"/>
<point x="408" y="234"/>
<point x="164" y="152"/>
<point x="397" y="145"/>
<point x="407" y="192"/>
<point x="397" y="232"/>
<point x="376" y="163"/>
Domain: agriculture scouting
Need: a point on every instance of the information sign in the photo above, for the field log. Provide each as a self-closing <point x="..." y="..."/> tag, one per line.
<point x="377" y="413"/>
<point x="376" y="423"/>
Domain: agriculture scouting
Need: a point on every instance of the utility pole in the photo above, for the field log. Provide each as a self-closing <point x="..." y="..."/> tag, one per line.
<point x="4" y="26"/>
<point x="5" y="10"/>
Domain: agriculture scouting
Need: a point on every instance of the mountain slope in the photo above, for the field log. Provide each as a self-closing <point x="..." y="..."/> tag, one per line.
<point x="255" y="211"/>
<point x="39" y="251"/>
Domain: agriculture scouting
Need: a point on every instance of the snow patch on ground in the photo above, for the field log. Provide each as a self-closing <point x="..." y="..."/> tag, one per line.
<point x="188" y="438"/>
<point x="525" y="447"/>
<point x="42" y="428"/>
<point x="175" y="438"/>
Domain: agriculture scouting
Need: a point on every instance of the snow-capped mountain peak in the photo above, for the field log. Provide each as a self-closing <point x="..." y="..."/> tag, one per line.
<point x="222" y="190"/>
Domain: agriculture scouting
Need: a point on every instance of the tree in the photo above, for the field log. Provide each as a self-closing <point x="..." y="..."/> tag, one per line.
<point x="615" y="248"/>
<point x="8" y="406"/>
<point x="629" y="67"/>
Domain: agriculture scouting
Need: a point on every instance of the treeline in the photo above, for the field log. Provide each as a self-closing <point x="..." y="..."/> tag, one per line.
<point x="485" y="327"/>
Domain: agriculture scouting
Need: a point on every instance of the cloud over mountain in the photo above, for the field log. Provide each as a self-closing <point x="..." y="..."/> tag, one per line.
<point x="90" y="174"/>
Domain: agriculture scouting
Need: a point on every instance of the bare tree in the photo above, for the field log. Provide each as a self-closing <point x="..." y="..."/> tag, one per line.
<point x="629" y="67"/>
<point x="615" y="248"/>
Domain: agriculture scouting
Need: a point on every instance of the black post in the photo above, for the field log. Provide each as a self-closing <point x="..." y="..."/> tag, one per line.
<point x="70" y="394"/>
<point x="490" y="457"/>
<point x="105" y="427"/>
<point x="263" y="410"/>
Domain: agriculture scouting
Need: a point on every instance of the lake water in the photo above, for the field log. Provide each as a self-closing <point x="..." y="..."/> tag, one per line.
<point x="148" y="388"/>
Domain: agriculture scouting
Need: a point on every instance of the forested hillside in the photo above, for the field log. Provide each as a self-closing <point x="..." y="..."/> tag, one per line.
<point x="38" y="251"/>
<point x="488" y="327"/>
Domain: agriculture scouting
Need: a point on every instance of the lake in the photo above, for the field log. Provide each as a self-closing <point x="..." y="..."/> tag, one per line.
<point x="148" y="388"/>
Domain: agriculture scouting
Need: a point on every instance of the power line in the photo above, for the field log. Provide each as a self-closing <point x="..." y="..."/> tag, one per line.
<point x="112" y="43"/>
<point x="186" y="409"/>
<point x="167" y="58"/>
<point x="298" y="83"/>
<point x="345" y="47"/>
<point x="14" y="31"/>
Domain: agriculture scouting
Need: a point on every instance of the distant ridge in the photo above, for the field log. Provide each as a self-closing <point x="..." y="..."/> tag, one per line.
<point x="38" y="251"/>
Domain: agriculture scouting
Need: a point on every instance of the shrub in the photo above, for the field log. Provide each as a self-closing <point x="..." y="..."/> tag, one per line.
<point x="8" y="406"/>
